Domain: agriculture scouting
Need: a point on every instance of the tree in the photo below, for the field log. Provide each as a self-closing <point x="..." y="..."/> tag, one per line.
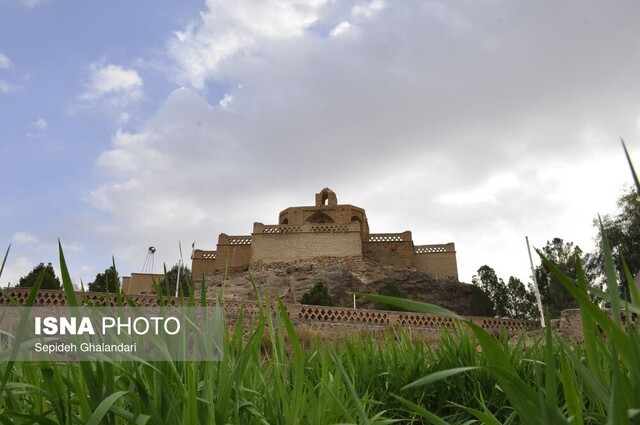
<point x="481" y="304"/>
<point x="106" y="281"/>
<point x="555" y="297"/>
<point x="513" y="300"/>
<point x="49" y="280"/>
<point x="318" y="295"/>
<point x="172" y="276"/>
<point x="390" y="289"/>
<point x="521" y="300"/>
<point x="623" y="231"/>
<point x="494" y="287"/>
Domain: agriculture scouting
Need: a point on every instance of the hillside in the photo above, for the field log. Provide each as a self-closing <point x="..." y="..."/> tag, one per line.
<point x="345" y="276"/>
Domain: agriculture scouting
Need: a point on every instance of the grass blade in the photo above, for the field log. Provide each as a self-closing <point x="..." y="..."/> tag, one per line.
<point x="6" y="254"/>
<point x="437" y="376"/>
<point x="67" y="285"/>
<point x="633" y="171"/>
<point x="411" y="305"/>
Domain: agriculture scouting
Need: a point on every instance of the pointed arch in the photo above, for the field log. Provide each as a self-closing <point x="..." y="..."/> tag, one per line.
<point x="320" y="217"/>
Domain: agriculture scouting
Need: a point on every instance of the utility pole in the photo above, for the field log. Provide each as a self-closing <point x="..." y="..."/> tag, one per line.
<point x="535" y="284"/>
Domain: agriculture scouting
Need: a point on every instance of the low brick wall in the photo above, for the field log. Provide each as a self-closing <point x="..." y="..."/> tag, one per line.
<point x="335" y="320"/>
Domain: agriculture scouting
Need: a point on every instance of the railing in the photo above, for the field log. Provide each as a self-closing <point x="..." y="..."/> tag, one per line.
<point x="431" y="249"/>
<point x="388" y="237"/>
<point x="329" y="228"/>
<point x="239" y="240"/>
<point x="273" y="229"/>
<point x="435" y="249"/>
<point x="209" y="255"/>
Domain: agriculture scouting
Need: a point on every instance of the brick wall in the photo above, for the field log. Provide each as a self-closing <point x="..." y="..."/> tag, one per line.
<point x="203" y="263"/>
<point x="327" y="320"/>
<point x="389" y="249"/>
<point x="138" y="283"/>
<point x="436" y="260"/>
<point x="272" y="244"/>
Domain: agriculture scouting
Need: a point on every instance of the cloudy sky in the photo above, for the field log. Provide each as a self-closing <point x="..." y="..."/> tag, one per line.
<point x="128" y="124"/>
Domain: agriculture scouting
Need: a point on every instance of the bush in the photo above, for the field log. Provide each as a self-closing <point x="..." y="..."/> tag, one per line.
<point x="318" y="295"/>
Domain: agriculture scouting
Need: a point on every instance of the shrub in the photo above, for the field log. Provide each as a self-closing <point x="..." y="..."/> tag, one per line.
<point x="318" y="295"/>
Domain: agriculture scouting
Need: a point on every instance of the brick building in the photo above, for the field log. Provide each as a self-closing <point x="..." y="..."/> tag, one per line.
<point x="326" y="229"/>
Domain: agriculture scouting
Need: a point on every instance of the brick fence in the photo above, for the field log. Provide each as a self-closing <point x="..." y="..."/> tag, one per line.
<point x="332" y="320"/>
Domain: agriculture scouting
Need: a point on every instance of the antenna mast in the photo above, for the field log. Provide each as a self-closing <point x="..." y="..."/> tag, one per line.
<point x="149" y="262"/>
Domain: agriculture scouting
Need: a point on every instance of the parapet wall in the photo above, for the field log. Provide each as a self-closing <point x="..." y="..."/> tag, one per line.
<point x="203" y="263"/>
<point x="436" y="260"/>
<point x="233" y="252"/>
<point x="282" y="243"/>
<point x="389" y="249"/>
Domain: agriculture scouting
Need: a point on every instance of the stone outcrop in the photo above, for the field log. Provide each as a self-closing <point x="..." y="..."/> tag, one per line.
<point x="343" y="277"/>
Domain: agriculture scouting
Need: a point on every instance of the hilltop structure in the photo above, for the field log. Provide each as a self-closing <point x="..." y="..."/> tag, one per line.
<point x="326" y="229"/>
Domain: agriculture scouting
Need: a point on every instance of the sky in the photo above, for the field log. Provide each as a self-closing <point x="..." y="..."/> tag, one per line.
<point x="129" y="124"/>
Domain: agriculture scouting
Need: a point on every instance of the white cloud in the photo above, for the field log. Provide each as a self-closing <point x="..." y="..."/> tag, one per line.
<point x="6" y="87"/>
<point x="5" y="62"/>
<point x="22" y="238"/>
<point x="14" y="270"/>
<point x="39" y="128"/>
<point x="40" y="124"/>
<point x="341" y="28"/>
<point x="225" y="102"/>
<point x="458" y="121"/>
<point x="30" y="4"/>
<point x="229" y="28"/>
<point x="114" y="84"/>
<point x="368" y="9"/>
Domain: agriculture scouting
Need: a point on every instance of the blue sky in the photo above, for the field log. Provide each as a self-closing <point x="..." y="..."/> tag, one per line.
<point x="130" y="124"/>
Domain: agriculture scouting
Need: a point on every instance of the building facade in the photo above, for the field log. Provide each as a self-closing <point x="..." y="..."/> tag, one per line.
<point x="326" y="229"/>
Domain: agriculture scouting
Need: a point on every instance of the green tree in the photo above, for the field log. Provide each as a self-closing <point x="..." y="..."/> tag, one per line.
<point x="623" y="231"/>
<point x="106" y="281"/>
<point x="49" y="281"/>
<point x="318" y="295"/>
<point x="481" y="304"/>
<point x="390" y="289"/>
<point x="521" y="302"/>
<point x="172" y="276"/>
<point x="494" y="287"/>
<point x="555" y="297"/>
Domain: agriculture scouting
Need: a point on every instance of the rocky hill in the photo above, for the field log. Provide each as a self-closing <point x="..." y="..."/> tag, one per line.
<point x="343" y="277"/>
